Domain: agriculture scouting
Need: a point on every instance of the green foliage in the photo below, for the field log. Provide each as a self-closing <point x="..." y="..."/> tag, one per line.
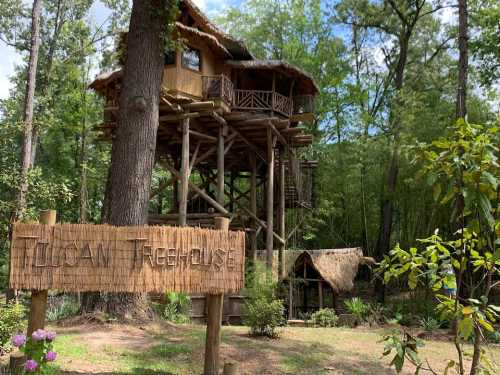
<point x="405" y="347"/>
<point x="264" y="311"/>
<point x="177" y="308"/>
<point x="12" y="320"/>
<point x="61" y="307"/>
<point x="324" y="318"/>
<point x="358" y="308"/>
<point x="430" y="324"/>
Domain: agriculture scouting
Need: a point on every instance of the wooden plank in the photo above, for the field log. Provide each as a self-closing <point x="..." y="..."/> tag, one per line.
<point x="203" y="136"/>
<point x="249" y="144"/>
<point x="178" y="117"/>
<point x="200" y="106"/>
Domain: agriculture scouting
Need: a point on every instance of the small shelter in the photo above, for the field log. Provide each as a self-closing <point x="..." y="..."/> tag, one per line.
<point x="321" y="278"/>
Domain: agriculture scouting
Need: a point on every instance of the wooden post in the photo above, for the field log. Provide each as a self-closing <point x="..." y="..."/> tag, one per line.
<point x="270" y="199"/>
<point x="281" y="216"/>
<point x="39" y="297"/>
<point x="320" y="291"/>
<point x="253" y="205"/>
<point x="16" y="363"/>
<point x="231" y="368"/>
<point x="214" y="321"/>
<point x="290" y="296"/>
<point x="184" y="188"/>
<point x="220" y="166"/>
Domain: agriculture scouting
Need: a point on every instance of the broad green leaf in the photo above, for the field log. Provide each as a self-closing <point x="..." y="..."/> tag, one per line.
<point x="465" y="327"/>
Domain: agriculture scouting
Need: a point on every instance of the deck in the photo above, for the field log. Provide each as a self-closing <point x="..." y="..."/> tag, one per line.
<point x="220" y="87"/>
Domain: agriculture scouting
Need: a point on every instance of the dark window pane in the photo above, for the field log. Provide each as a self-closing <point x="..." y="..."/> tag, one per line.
<point x="170" y="57"/>
<point x="191" y="59"/>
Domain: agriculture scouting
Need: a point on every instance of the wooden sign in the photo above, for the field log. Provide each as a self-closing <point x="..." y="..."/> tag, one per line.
<point x="72" y="257"/>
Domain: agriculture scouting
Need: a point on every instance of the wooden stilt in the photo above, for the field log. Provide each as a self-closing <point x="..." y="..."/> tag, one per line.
<point x="184" y="175"/>
<point x="270" y="199"/>
<point x="214" y="321"/>
<point x="290" y="296"/>
<point x="253" y="205"/>
<point x="220" y="166"/>
<point x="320" y="291"/>
<point x="281" y="216"/>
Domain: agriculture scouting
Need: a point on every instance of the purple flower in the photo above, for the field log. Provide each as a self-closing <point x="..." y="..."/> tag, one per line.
<point x="39" y="335"/>
<point x="50" y="335"/>
<point x="18" y="340"/>
<point x="31" y="365"/>
<point x="50" y="356"/>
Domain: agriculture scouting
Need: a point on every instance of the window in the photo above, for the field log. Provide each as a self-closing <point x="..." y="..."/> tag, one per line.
<point x="170" y="56"/>
<point x="191" y="59"/>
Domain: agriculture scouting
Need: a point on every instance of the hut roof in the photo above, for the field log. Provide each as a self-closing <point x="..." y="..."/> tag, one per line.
<point x="237" y="47"/>
<point x="104" y="79"/>
<point x="214" y="44"/>
<point x="281" y="66"/>
<point x="338" y="267"/>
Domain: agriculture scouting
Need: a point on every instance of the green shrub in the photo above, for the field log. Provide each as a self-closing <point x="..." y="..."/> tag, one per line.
<point x="12" y="321"/>
<point x="493" y="337"/>
<point x="177" y="308"/>
<point x="62" y="307"/>
<point x="264" y="312"/>
<point x="430" y="324"/>
<point x="324" y="318"/>
<point x="358" y="308"/>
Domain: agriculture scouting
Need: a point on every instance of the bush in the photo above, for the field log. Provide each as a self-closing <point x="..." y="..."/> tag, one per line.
<point x="62" y="307"/>
<point x="177" y="308"/>
<point x="358" y="308"/>
<point x="430" y="324"/>
<point x="11" y="321"/>
<point x="265" y="313"/>
<point x="325" y="318"/>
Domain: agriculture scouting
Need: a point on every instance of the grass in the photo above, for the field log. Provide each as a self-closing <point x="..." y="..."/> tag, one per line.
<point x="167" y="350"/>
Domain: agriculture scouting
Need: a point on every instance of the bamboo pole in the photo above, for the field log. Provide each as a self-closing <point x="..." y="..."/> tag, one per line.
<point x="214" y="320"/>
<point x="270" y="199"/>
<point x="184" y="175"/>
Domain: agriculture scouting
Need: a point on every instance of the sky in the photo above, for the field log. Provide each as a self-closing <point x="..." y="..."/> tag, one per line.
<point x="9" y="58"/>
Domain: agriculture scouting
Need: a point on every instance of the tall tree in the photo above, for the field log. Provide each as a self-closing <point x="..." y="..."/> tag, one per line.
<point x="463" y="58"/>
<point x="29" y="109"/>
<point x="134" y="146"/>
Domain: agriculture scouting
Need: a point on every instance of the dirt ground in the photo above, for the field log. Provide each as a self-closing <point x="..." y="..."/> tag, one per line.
<point x="163" y="349"/>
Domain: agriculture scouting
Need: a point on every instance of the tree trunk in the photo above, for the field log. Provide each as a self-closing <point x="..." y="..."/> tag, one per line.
<point x="28" y="110"/>
<point x="388" y="194"/>
<point x="134" y="146"/>
<point x="463" y="61"/>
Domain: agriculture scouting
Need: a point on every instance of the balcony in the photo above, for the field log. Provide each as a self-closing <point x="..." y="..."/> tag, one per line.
<point x="220" y="87"/>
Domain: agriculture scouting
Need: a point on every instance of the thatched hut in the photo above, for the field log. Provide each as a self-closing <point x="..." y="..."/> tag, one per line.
<point x="322" y="278"/>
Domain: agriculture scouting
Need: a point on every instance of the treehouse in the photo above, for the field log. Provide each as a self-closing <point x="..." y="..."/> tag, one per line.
<point x="232" y="130"/>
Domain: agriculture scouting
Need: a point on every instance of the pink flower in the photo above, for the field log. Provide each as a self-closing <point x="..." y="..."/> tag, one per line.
<point x="39" y="335"/>
<point x="50" y="335"/>
<point x="50" y="356"/>
<point x="18" y="340"/>
<point x="31" y="365"/>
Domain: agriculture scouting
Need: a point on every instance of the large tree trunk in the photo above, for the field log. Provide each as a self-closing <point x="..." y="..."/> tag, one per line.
<point x="134" y="146"/>
<point x="28" y="110"/>
<point x="463" y="62"/>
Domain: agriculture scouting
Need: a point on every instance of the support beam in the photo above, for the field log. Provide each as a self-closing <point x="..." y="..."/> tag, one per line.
<point x="249" y="144"/>
<point x="320" y="293"/>
<point x="207" y="137"/>
<point x="281" y="215"/>
<point x="253" y="206"/>
<point x="184" y="175"/>
<point x="220" y="166"/>
<point x="270" y="199"/>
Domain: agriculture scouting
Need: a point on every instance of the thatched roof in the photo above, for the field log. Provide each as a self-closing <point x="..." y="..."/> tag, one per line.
<point x="338" y="267"/>
<point x="103" y="79"/>
<point x="214" y="44"/>
<point x="304" y="78"/>
<point x="236" y="47"/>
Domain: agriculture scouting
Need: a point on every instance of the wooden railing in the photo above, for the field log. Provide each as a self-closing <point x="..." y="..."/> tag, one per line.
<point x="262" y="100"/>
<point x="218" y="87"/>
